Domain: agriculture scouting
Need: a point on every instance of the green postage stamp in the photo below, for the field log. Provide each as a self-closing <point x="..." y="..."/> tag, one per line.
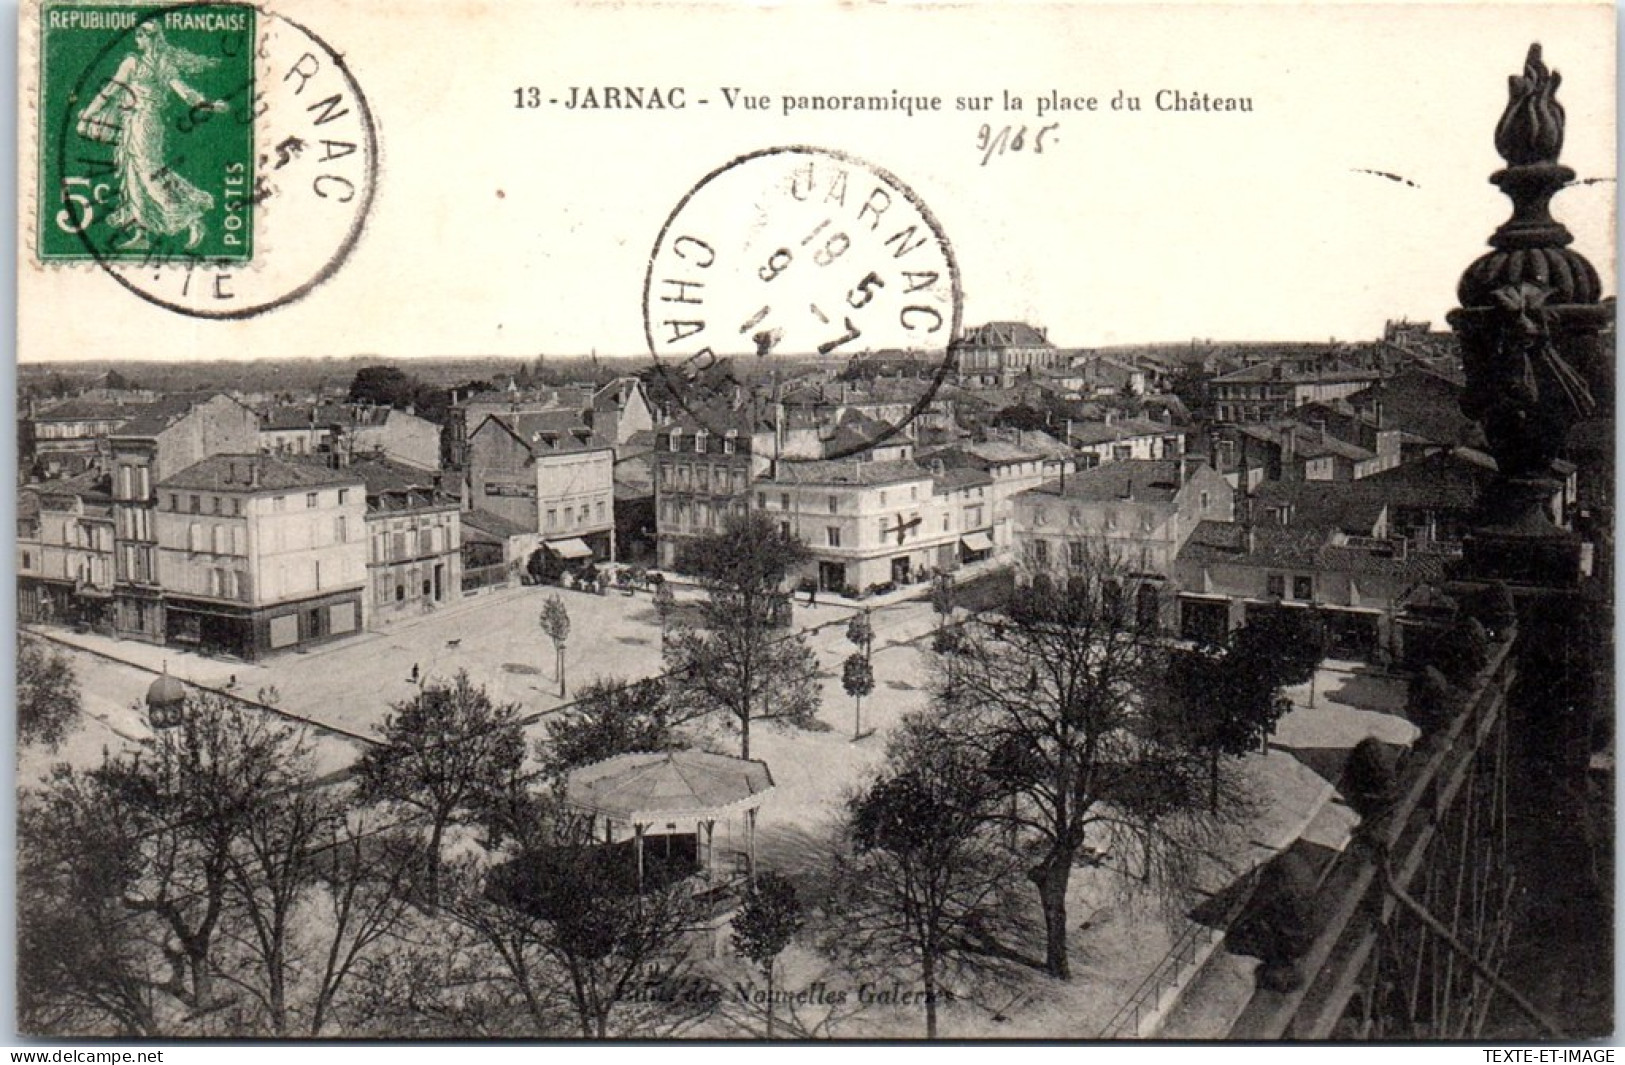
<point x="146" y="133"/>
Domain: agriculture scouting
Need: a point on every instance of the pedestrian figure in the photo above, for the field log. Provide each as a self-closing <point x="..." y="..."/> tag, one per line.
<point x="812" y="595"/>
<point x="414" y="672"/>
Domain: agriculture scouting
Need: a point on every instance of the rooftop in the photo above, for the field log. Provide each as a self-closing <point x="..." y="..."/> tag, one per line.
<point x="493" y="525"/>
<point x="1296" y="547"/>
<point x="155" y="417"/>
<point x="1139" y="480"/>
<point x="847" y="471"/>
<point x="258" y="474"/>
<point x="1004" y="335"/>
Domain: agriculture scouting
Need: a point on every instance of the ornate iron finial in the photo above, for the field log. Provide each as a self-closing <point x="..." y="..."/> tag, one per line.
<point x="1531" y="128"/>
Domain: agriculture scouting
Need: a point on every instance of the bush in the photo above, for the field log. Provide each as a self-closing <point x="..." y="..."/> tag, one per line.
<point x="1431" y="700"/>
<point x="1462" y="651"/>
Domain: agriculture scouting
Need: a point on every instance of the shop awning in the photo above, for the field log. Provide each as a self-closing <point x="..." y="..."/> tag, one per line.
<point x="571" y="548"/>
<point x="977" y="542"/>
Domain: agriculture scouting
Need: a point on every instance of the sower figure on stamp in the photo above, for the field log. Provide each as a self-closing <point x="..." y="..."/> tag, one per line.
<point x="128" y="113"/>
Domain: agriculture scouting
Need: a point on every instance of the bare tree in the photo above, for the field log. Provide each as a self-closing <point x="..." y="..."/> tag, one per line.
<point x="924" y="879"/>
<point x="142" y="854"/>
<point x="1048" y="695"/>
<point x="366" y="879"/>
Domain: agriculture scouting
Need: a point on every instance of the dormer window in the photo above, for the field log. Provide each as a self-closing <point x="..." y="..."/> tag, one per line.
<point x="730" y="441"/>
<point x="699" y="442"/>
<point x="675" y="441"/>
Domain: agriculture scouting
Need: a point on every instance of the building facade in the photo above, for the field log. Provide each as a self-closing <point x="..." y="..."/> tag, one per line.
<point x="414" y="542"/>
<point x="1137" y="513"/>
<point x="548" y="474"/>
<point x="701" y="480"/>
<point x="867" y="525"/>
<point x="260" y="554"/>
<point x="65" y="552"/>
<point x="163" y="438"/>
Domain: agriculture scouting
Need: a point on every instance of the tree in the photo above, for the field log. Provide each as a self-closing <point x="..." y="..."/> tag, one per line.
<point x="1282" y="642"/>
<point x="143" y="852"/>
<point x="47" y="694"/>
<point x="449" y="752"/>
<point x="366" y="878"/>
<point x="736" y="661"/>
<point x="268" y="873"/>
<point x="766" y="922"/>
<point x="927" y="882"/>
<point x="861" y="633"/>
<point x="1219" y="704"/>
<point x="1049" y="694"/>
<point x="571" y="904"/>
<point x="942" y="599"/>
<point x="858" y="678"/>
<point x="609" y="717"/>
<point x="382" y="386"/>
<point x="556" y="623"/>
<point x="1021" y="416"/>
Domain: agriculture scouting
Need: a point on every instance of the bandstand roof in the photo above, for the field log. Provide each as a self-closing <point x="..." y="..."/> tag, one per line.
<point x="649" y="788"/>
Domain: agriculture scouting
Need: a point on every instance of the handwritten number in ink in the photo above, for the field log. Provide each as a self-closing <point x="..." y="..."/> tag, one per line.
<point x="991" y="142"/>
<point x="776" y="264"/>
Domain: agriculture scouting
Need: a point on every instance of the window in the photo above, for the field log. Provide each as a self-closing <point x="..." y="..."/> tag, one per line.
<point x="1204" y="500"/>
<point x="195" y="505"/>
<point x="913" y="493"/>
<point x="1121" y="452"/>
<point x="236" y="507"/>
<point x="1041" y="552"/>
<point x="310" y="500"/>
<point x="584" y="516"/>
<point x="784" y="529"/>
<point x="1076" y="553"/>
<point x="1275" y="586"/>
<point x="552" y="518"/>
<point x="279" y="503"/>
<point x="728" y="443"/>
<point x="1040" y="516"/>
<point x="599" y="508"/>
<point x="674" y="442"/>
<point x="699" y="442"/>
<point x="1303" y="588"/>
<point x="882" y="528"/>
<point x="344" y="496"/>
<point x="761" y="500"/>
<point x="834" y="532"/>
<point x="174" y="502"/>
<point x="28" y="560"/>
<point x="217" y="502"/>
<point x="834" y="505"/>
<point x="784" y="500"/>
<point x="341" y="529"/>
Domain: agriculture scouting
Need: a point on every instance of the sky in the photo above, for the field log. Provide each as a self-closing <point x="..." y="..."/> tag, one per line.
<point x="504" y="230"/>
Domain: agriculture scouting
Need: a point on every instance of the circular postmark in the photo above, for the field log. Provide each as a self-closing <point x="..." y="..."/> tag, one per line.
<point x="215" y="159"/>
<point x="798" y="252"/>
